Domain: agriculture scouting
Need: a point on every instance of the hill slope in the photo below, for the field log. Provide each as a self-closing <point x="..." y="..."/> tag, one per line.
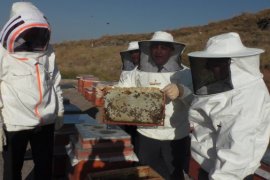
<point x="101" y="57"/>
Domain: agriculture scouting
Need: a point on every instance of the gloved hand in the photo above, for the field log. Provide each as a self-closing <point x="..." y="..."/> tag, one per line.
<point x="2" y="138"/>
<point x="59" y="122"/>
<point x="100" y="90"/>
<point x="173" y="91"/>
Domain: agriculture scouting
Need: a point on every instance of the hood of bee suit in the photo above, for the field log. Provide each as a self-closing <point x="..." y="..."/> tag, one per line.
<point x="225" y="64"/>
<point x="27" y="30"/>
<point x="127" y="64"/>
<point x="147" y="63"/>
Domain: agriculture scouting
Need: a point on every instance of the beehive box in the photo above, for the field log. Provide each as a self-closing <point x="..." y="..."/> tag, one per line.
<point x="134" y="106"/>
<point x="101" y="136"/>
<point x="133" y="173"/>
<point x="99" y="151"/>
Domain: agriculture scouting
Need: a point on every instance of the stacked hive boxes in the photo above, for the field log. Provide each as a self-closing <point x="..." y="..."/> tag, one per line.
<point x="99" y="141"/>
<point x="61" y="139"/>
<point x="98" y="148"/>
<point x="85" y="81"/>
<point x="87" y="87"/>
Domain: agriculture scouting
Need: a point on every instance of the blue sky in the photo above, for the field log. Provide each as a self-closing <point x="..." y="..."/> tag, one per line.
<point x="91" y="19"/>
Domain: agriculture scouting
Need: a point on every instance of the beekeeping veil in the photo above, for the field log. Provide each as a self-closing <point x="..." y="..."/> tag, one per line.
<point x="147" y="64"/>
<point x="126" y="56"/>
<point x="27" y="29"/>
<point x="221" y="66"/>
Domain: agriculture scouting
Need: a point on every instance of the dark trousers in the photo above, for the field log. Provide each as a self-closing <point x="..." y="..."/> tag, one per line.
<point x="169" y="158"/>
<point x="132" y="131"/>
<point x="41" y="141"/>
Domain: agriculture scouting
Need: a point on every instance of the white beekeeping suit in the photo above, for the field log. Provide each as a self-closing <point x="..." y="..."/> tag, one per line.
<point x="164" y="148"/>
<point x="31" y="98"/>
<point x="231" y="109"/>
<point x="128" y="63"/>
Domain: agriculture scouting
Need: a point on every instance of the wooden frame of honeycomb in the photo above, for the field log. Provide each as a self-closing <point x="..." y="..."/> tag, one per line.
<point x="142" y="106"/>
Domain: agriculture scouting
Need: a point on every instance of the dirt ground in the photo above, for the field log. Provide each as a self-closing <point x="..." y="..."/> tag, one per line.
<point x="70" y="93"/>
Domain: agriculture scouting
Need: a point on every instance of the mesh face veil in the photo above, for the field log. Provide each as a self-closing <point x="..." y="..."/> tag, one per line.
<point x="210" y="75"/>
<point x="35" y="39"/>
<point x="161" y="53"/>
<point x="130" y="59"/>
<point x="165" y="54"/>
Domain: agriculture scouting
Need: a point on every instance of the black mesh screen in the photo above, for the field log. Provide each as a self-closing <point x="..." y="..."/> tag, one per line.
<point x="210" y="75"/>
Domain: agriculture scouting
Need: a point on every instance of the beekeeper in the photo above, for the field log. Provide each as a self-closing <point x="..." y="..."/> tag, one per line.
<point x="130" y="60"/>
<point x="164" y="148"/>
<point x="31" y="99"/>
<point x="131" y="57"/>
<point x="231" y="110"/>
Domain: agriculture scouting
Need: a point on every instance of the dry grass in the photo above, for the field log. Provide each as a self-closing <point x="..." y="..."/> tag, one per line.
<point x="101" y="57"/>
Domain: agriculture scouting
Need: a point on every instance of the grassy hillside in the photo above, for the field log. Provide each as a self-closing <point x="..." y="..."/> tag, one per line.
<point x="101" y="57"/>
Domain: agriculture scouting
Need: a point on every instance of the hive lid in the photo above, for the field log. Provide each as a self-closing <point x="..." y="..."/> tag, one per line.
<point x="101" y="132"/>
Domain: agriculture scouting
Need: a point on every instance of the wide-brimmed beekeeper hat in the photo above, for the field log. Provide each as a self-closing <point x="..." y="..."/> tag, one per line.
<point x="163" y="37"/>
<point x="127" y="64"/>
<point x="226" y="45"/>
<point x="133" y="45"/>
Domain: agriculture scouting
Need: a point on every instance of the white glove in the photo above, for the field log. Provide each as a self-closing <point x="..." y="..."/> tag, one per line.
<point x="173" y="91"/>
<point x="2" y="139"/>
<point x="59" y="122"/>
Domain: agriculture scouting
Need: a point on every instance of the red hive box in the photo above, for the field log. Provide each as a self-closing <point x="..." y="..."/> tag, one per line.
<point x="99" y="147"/>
